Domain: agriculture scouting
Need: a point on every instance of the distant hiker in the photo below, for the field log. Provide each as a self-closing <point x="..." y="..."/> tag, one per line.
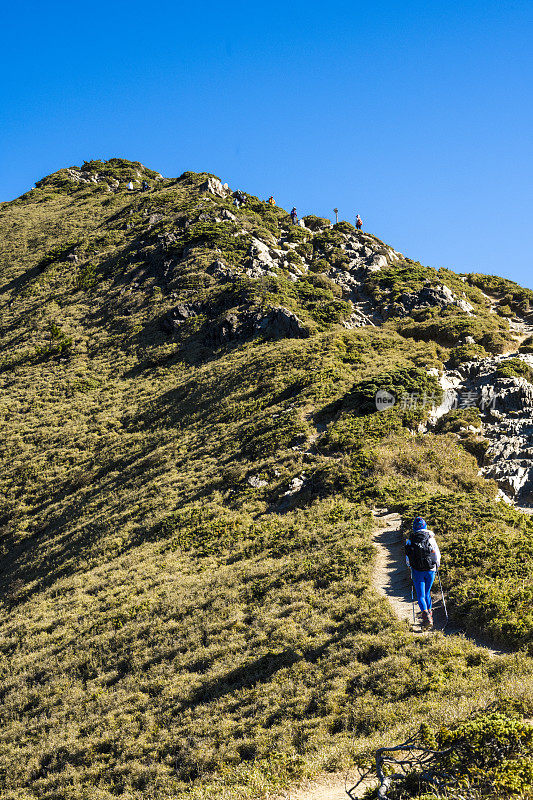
<point x="130" y="186"/>
<point x="294" y="216"/>
<point x="422" y="555"/>
<point x="144" y="186"/>
<point x="358" y="223"/>
<point x="271" y="201"/>
<point x="239" y="199"/>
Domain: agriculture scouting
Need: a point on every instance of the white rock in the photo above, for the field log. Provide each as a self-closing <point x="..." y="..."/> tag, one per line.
<point x="255" y="482"/>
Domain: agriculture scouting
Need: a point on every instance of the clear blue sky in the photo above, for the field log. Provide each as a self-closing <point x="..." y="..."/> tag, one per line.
<point x="418" y="115"/>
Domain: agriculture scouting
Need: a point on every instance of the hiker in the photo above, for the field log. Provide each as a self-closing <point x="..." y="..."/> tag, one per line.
<point x="359" y="223"/>
<point x="239" y="199"/>
<point x="422" y="555"/>
<point x="294" y="216"/>
<point x="130" y="186"/>
<point x="145" y="186"/>
<point x="271" y="201"/>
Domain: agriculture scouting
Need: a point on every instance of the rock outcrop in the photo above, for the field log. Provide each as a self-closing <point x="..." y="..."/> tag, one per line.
<point x="506" y="409"/>
<point x="429" y="296"/>
<point x="215" y="186"/>
<point x="277" y="323"/>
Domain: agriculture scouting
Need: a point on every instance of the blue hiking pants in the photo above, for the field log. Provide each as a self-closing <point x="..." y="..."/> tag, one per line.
<point x="423" y="582"/>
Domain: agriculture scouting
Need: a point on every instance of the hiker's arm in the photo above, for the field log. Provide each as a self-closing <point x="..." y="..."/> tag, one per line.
<point x="437" y="554"/>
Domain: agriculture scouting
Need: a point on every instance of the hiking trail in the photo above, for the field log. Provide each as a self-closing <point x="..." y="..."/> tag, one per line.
<point x="391" y="579"/>
<point x="329" y="787"/>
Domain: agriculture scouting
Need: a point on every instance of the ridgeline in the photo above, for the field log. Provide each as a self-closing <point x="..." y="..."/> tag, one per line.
<point x="191" y="455"/>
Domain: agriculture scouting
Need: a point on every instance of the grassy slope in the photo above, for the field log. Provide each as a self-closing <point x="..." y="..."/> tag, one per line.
<point x="164" y="621"/>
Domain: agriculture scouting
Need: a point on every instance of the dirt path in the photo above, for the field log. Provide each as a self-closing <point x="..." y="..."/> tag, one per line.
<point x="521" y="326"/>
<point x="329" y="787"/>
<point x="391" y="579"/>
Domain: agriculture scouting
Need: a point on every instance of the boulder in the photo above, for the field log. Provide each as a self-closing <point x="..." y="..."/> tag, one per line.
<point x="378" y="262"/>
<point x="225" y="214"/>
<point x="295" y="485"/>
<point x="220" y="270"/>
<point x="259" y="252"/>
<point x="427" y="297"/>
<point x="277" y="323"/>
<point x="281" y="323"/>
<point x="174" y="318"/>
<point x="214" y="185"/>
<point x="256" y="482"/>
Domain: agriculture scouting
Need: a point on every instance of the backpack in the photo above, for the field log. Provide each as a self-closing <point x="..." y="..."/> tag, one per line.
<point x="420" y="553"/>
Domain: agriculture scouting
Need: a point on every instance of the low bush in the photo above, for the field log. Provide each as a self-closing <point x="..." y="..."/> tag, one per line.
<point x="344" y="227"/>
<point x="515" y="368"/>
<point x="516" y="297"/>
<point x="466" y="352"/>
<point x="526" y="346"/>
<point x="410" y="386"/>
<point x="489" y="755"/>
<point x="315" y="223"/>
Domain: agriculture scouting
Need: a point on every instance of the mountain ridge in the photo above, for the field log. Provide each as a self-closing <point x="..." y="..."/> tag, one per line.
<point x="191" y="455"/>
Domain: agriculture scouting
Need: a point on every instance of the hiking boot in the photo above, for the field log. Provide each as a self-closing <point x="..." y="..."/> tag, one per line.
<point x="426" y="622"/>
<point x="430" y="618"/>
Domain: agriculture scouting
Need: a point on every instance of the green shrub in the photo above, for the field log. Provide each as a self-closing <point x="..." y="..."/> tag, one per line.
<point x="315" y="223"/>
<point x="459" y="418"/>
<point x="489" y="755"/>
<point x="344" y="227"/>
<point x="323" y="282"/>
<point x="293" y="257"/>
<point x="495" y="342"/>
<point x="515" y="368"/>
<point x="413" y="382"/>
<point x="305" y="249"/>
<point x="466" y="352"/>
<point x="319" y="265"/>
<point x="505" y="311"/>
<point x="515" y="296"/>
<point x="59" y="343"/>
<point x="393" y="281"/>
<point x="526" y="346"/>
<point x="296" y="234"/>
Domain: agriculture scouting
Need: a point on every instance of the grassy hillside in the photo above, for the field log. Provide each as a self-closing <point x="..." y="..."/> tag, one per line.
<point x="187" y="481"/>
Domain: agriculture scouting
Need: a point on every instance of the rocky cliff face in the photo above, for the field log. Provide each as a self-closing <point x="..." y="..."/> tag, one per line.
<point x="506" y="419"/>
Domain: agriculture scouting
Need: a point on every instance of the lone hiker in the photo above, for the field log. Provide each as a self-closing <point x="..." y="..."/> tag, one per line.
<point x="359" y="223"/>
<point x="271" y="201"/>
<point x="422" y="555"/>
<point x="294" y="216"/>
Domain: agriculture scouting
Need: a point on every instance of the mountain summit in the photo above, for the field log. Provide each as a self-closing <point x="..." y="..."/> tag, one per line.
<point x="203" y="406"/>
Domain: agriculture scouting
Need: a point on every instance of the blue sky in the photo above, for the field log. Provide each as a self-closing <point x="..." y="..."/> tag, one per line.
<point x="417" y="115"/>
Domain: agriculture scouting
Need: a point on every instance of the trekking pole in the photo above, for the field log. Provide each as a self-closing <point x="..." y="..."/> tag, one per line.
<point x="412" y="596"/>
<point x="443" y="600"/>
